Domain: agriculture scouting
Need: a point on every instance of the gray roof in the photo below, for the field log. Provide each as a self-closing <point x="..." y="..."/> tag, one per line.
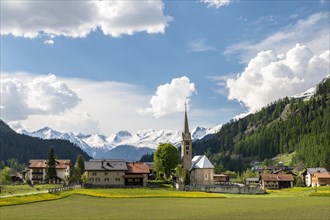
<point x="106" y="165"/>
<point x="316" y="170"/>
<point x="201" y="162"/>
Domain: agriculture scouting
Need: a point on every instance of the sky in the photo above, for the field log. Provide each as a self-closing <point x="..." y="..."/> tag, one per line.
<point x="105" y="66"/>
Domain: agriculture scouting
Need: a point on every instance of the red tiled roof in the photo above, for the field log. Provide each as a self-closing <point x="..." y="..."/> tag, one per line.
<point x="61" y="164"/>
<point x="137" y="168"/>
<point x="276" y="177"/>
<point x="322" y="175"/>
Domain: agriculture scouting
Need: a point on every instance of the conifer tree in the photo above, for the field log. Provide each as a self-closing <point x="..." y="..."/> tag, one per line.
<point x="51" y="174"/>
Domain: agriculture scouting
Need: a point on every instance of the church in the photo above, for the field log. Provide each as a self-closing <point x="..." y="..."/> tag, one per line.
<point x="200" y="168"/>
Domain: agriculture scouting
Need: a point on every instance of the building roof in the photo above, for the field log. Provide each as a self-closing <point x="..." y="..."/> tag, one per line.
<point x="137" y="168"/>
<point x="109" y="164"/>
<point x="324" y="175"/>
<point x="276" y="177"/>
<point x="316" y="170"/>
<point x="60" y="164"/>
<point x="251" y="179"/>
<point x="201" y="162"/>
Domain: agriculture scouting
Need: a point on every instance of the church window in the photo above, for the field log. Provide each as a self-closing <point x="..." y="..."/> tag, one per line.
<point x="187" y="152"/>
<point x="206" y="176"/>
<point x="187" y="147"/>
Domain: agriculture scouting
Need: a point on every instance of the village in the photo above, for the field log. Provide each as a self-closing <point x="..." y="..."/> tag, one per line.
<point x="118" y="173"/>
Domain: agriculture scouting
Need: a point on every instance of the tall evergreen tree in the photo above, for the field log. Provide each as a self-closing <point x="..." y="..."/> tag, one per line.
<point x="51" y="174"/>
<point x="79" y="168"/>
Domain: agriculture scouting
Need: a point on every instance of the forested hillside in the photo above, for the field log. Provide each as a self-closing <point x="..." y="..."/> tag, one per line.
<point x="286" y="126"/>
<point x="23" y="147"/>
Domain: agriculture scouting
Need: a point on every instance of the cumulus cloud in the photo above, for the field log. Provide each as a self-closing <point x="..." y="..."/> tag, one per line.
<point x="42" y="95"/>
<point x="31" y="19"/>
<point x="217" y="3"/>
<point x="270" y="76"/>
<point x="312" y="31"/>
<point x="171" y="97"/>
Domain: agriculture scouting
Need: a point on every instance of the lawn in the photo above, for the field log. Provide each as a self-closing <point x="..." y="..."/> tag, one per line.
<point x="89" y="207"/>
<point x="22" y="189"/>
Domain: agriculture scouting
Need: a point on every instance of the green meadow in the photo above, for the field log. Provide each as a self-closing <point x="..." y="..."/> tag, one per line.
<point x="296" y="203"/>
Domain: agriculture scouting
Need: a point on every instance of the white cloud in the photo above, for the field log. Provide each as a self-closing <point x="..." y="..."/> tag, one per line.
<point x="217" y="3"/>
<point x="31" y="19"/>
<point x="270" y="76"/>
<point x="170" y="97"/>
<point x="312" y="31"/>
<point x="49" y="41"/>
<point x="42" y="95"/>
<point x="199" y="46"/>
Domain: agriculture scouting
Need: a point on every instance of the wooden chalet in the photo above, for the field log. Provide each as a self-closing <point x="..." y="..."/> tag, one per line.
<point x="275" y="181"/>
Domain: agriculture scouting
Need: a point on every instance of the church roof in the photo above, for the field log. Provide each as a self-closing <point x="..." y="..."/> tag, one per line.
<point x="201" y="162"/>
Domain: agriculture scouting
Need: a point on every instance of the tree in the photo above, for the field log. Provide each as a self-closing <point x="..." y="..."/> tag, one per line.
<point x="79" y="168"/>
<point x="51" y="174"/>
<point x="5" y="176"/>
<point x="166" y="157"/>
<point x="186" y="177"/>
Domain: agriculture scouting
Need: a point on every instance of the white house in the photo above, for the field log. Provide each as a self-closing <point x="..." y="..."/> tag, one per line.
<point x="309" y="172"/>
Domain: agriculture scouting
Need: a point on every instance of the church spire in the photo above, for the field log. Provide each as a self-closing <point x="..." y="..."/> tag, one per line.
<point x="186" y="134"/>
<point x="186" y="143"/>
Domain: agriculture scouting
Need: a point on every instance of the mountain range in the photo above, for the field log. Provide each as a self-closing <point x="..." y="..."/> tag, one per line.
<point x="123" y="144"/>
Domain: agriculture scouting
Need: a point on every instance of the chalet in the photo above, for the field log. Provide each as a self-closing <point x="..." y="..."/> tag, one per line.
<point x="321" y="179"/>
<point x="220" y="178"/>
<point x="201" y="171"/>
<point x="252" y="181"/>
<point x="308" y="174"/>
<point x="37" y="170"/>
<point x="101" y="172"/>
<point x="276" y="181"/>
<point x="136" y="174"/>
<point x="116" y="173"/>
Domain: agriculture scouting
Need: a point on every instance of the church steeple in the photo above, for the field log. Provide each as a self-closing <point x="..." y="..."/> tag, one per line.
<point x="186" y="143"/>
<point x="186" y="134"/>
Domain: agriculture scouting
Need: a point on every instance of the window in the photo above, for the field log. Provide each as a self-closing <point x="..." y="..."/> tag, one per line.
<point x="97" y="179"/>
<point x="137" y="180"/>
<point x="106" y="179"/>
<point x="130" y="180"/>
<point x="187" y="152"/>
<point x="91" y="179"/>
<point x="206" y="176"/>
<point x="105" y="173"/>
<point x="187" y="147"/>
<point x="117" y="179"/>
<point x="94" y="174"/>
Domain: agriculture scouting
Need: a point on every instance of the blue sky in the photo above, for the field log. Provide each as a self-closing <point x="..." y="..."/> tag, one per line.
<point x="132" y="65"/>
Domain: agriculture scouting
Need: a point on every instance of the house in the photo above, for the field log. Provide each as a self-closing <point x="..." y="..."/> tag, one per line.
<point x="201" y="171"/>
<point x="220" y="178"/>
<point x="309" y="172"/>
<point x="36" y="173"/>
<point x="102" y="172"/>
<point x="252" y="181"/>
<point x="116" y="173"/>
<point x="136" y="174"/>
<point x="275" y="181"/>
<point x="321" y="179"/>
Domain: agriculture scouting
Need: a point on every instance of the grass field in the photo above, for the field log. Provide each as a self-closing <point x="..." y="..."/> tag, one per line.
<point x="87" y="207"/>
<point x="21" y="189"/>
<point x="296" y="203"/>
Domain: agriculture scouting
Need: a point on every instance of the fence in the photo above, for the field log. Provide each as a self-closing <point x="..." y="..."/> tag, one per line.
<point x="60" y="189"/>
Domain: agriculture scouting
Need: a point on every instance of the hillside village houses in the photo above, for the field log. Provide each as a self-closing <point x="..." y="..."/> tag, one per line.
<point x="36" y="172"/>
<point x="316" y="177"/>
